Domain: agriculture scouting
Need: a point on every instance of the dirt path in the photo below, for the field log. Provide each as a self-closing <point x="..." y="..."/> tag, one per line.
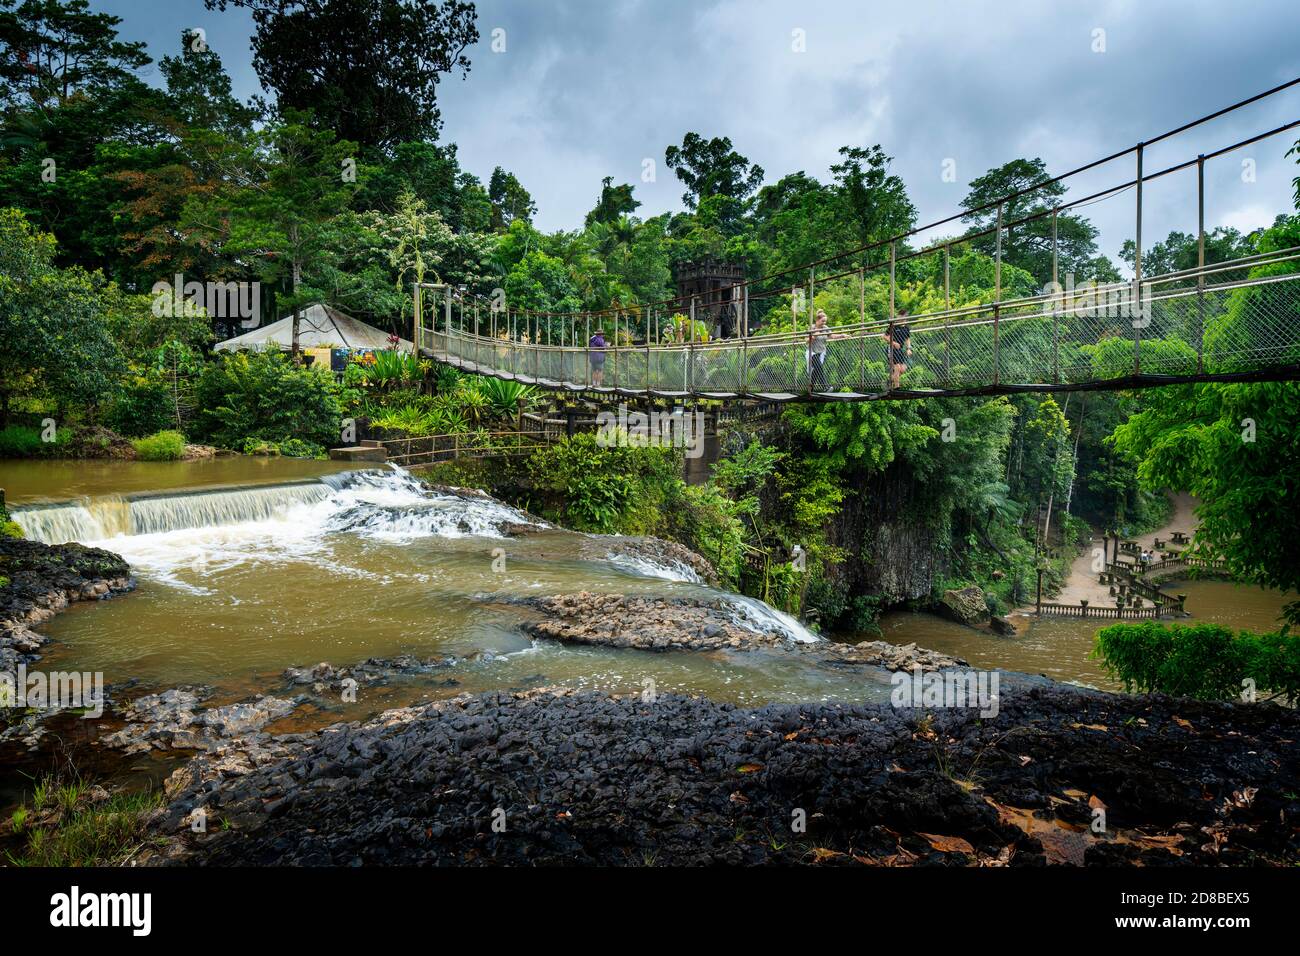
<point x="1082" y="584"/>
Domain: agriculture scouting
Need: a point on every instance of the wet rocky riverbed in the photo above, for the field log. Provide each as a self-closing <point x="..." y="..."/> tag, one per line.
<point x="1060" y="776"/>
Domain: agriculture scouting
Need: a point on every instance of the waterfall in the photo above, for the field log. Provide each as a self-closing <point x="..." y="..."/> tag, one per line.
<point x="109" y="516"/>
<point x="388" y="505"/>
<point x="754" y="615"/>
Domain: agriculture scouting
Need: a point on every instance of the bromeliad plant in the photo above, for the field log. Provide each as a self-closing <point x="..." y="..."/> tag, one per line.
<point x="388" y="370"/>
<point x="503" y="396"/>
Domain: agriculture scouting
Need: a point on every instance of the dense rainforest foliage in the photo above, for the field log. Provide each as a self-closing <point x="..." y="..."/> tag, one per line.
<point x="341" y="189"/>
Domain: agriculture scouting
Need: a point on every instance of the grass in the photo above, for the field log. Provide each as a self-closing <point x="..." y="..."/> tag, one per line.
<point x="20" y="441"/>
<point x="162" y="446"/>
<point x="64" y="825"/>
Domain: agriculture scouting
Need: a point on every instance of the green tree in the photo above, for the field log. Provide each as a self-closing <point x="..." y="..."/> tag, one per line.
<point x="510" y="200"/>
<point x="1180" y="251"/>
<point x="873" y="200"/>
<point x="1233" y="447"/>
<point x="1029" y="246"/>
<point x="712" y="168"/>
<point x="51" y="50"/>
<point x="367" y="70"/>
<point x="54" y="345"/>
<point x="291" y="184"/>
<point x="616" y="202"/>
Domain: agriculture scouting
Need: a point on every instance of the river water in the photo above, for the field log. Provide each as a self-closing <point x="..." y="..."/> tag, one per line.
<point x="1060" y="647"/>
<point x="237" y="584"/>
<point x="293" y="563"/>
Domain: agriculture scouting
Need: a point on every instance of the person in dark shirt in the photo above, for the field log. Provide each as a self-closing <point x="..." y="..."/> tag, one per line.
<point x="899" y="337"/>
<point x="727" y="320"/>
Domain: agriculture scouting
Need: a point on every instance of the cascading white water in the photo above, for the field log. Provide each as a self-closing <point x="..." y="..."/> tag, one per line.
<point x="379" y="504"/>
<point x="101" y="518"/>
<point x="181" y="538"/>
<point x="650" y="568"/>
<point x="749" y="613"/>
<point x="753" y="614"/>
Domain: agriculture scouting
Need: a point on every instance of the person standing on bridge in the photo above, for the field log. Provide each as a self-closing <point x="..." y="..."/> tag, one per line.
<point x="596" y="355"/>
<point x="818" y="337"/>
<point x="899" y="337"/>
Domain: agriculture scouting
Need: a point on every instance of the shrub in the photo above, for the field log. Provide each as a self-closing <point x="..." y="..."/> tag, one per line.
<point x="256" y="446"/>
<point x="264" y="395"/>
<point x="143" y="407"/>
<point x="297" y="448"/>
<point x="162" y="446"/>
<point x="1205" y="661"/>
<point x="704" y="519"/>
<point x="11" y="529"/>
<point x="503" y="396"/>
<point x="20" y="441"/>
<point x="606" y="490"/>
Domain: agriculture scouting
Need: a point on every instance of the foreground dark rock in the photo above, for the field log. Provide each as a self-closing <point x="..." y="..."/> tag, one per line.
<point x="43" y="580"/>
<point x="583" y="778"/>
<point x="699" y="624"/>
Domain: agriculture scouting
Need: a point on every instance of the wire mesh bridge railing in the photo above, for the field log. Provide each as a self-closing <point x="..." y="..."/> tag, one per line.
<point x="1232" y="320"/>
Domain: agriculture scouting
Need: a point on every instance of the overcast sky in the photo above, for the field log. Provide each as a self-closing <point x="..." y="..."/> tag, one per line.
<point x="591" y="88"/>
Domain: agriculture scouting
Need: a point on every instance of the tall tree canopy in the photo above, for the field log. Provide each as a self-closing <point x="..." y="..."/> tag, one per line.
<point x="712" y="168"/>
<point x="615" y="201"/>
<point x="1029" y="246"/>
<point x="510" y="200"/>
<point x="50" y="50"/>
<point x="367" y="69"/>
<point x="873" y="200"/>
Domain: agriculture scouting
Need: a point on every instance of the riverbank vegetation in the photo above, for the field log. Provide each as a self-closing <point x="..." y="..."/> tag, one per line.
<point x="1206" y="661"/>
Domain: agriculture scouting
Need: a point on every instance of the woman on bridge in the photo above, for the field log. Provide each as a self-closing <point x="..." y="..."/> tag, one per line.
<point x="899" y="337"/>
<point x="818" y="336"/>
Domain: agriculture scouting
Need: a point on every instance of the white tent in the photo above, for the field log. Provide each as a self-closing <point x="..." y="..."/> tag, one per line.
<point x="319" y="326"/>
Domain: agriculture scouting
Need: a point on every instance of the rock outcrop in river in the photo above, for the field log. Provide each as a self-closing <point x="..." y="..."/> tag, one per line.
<point x="562" y="777"/>
<point x="44" y="579"/>
<point x="699" y="624"/>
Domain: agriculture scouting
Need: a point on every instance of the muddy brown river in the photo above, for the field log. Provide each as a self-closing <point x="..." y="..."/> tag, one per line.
<point x="248" y="566"/>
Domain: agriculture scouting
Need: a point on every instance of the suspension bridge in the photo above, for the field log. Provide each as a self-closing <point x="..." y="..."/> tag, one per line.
<point x="1218" y="321"/>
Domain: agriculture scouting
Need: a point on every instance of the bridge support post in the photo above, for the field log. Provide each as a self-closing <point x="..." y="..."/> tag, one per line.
<point x="1200" y="263"/>
<point x="862" y="338"/>
<point x="947" y="319"/>
<point x="997" y="299"/>
<point x="744" y="365"/>
<point x="1056" y="305"/>
<point x="812" y="291"/>
<point x="689" y="375"/>
<point x="892" y="280"/>
<point x="415" y="320"/>
<point x="1137" y="269"/>
<point x="647" y="358"/>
